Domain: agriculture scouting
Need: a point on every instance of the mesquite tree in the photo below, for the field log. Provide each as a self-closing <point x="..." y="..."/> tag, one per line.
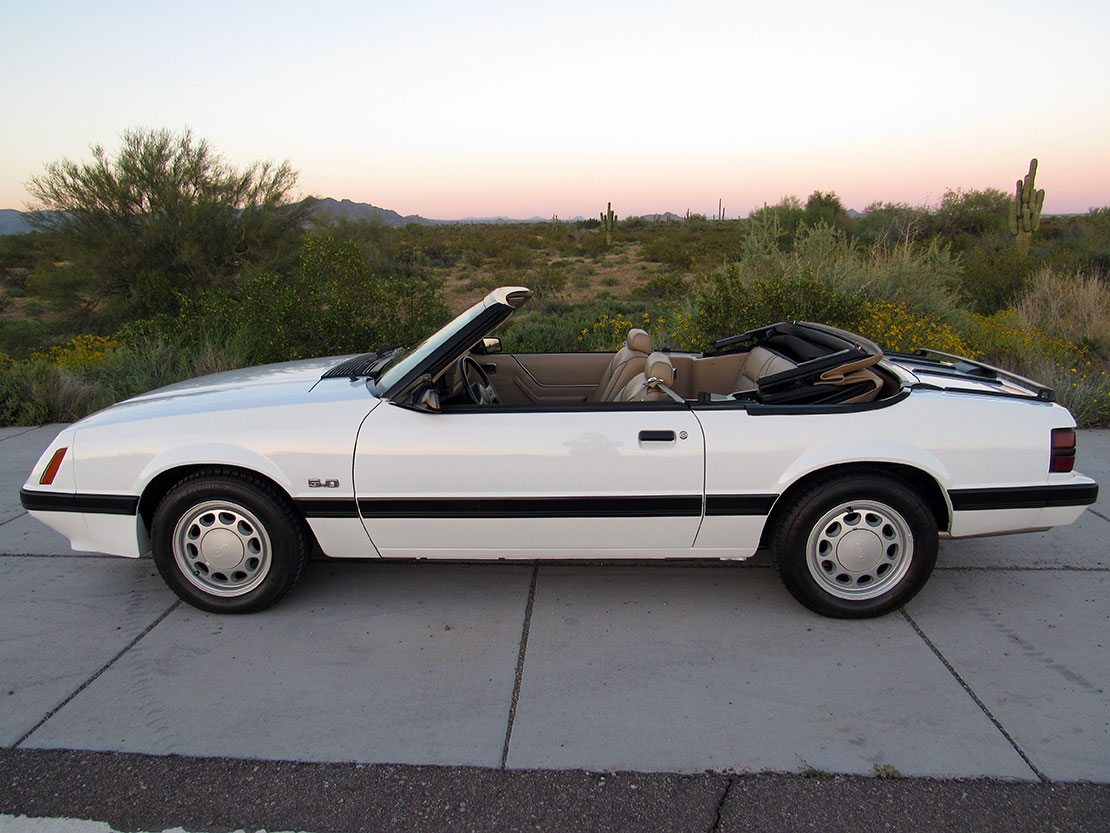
<point x="166" y="215"/>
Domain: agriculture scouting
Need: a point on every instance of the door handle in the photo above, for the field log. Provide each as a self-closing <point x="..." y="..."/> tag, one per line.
<point x="657" y="436"/>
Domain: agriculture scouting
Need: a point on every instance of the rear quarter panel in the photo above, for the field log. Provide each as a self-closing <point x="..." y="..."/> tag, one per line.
<point x="962" y="441"/>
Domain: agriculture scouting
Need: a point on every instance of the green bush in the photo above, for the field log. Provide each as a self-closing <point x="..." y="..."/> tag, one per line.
<point x="593" y="245"/>
<point x="21" y="386"/>
<point x="517" y="257"/>
<point x="663" y="285"/>
<point x="728" y="304"/>
<point x="332" y="305"/>
<point x="547" y="282"/>
<point x="994" y="280"/>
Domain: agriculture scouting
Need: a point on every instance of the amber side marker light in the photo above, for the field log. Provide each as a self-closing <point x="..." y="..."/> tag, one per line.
<point x="1063" y="450"/>
<point x="52" y="468"/>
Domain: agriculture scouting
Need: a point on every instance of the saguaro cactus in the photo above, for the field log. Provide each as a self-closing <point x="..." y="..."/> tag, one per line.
<point x="609" y="222"/>
<point x="1025" y="209"/>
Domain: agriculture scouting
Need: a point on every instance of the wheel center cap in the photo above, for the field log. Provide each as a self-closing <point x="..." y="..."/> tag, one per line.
<point x="860" y="551"/>
<point x="221" y="549"/>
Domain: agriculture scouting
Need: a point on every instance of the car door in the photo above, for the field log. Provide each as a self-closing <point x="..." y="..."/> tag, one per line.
<point x="546" y="378"/>
<point x="601" y="479"/>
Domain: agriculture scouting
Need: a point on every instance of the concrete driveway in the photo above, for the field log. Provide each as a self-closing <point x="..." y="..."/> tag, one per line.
<point x="1000" y="668"/>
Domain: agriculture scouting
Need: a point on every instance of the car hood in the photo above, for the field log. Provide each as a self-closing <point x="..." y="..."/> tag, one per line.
<point x="306" y="372"/>
<point x="265" y="386"/>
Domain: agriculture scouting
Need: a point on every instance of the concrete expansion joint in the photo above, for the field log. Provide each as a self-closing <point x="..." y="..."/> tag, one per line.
<point x="975" y="697"/>
<point x="76" y="556"/>
<point x="1019" y="568"/>
<point x="21" y="433"/>
<point x="97" y="674"/>
<point x="13" y="518"/>
<point x="1098" y="514"/>
<point x="520" y="664"/>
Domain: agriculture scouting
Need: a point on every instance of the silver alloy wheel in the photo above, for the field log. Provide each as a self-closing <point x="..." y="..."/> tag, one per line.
<point x="221" y="548"/>
<point x="859" y="550"/>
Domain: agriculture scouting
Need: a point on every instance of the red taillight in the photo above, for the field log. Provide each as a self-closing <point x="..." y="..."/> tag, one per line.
<point x="52" y="468"/>
<point x="1063" y="450"/>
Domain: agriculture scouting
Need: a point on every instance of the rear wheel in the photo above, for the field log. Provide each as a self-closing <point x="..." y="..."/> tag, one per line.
<point x="855" y="546"/>
<point x="228" y="542"/>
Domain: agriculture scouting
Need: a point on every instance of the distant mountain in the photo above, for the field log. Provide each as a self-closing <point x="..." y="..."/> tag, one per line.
<point x="364" y="211"/>
<point x="665" y="217"/>
<point x="498" y="220"/>
<point x="13" y="222"/>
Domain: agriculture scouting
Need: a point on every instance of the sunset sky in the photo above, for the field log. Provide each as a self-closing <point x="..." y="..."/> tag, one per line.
<point x="455" y="109"/>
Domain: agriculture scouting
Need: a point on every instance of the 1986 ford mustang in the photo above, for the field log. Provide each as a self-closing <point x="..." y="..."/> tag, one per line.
<point x="800" y="438"/>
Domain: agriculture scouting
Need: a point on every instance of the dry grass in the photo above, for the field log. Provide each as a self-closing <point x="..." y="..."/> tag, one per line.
<point x="1072" y="307"/>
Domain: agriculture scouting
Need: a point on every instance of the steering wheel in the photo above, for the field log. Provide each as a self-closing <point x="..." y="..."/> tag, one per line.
<point x="476" y="383"/>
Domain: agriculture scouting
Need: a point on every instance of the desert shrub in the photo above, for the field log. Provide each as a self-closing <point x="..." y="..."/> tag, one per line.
<point x="546" y="282"/>
<point x="1084" y="237"/>
<point x="921" y="276"/>
<point x="1082" y="388"/>
<point x="79" y="353"/>
<point x="552" y="329"/>
<point x="516" y="257"/>
<point x="593" y="246"/>
<point x="993" y="280"/>
<point x="1003" y="340"/>
<point x="729" y="304"/>
<point x="825" y="209"/>
<point x="19" y="337"/>
<point x="664" y="285"/>
<point x="439" y="254"/>
<point x="894" y="326"/>
<point x="673" y="329"/>
<point x="963" y="216"/>
<point x="1081" y="382"/>
<point x="889" y="224"/>
<point x="1069" y="306"/>
<point x="21" y="385"/>
<point x="671" y="252"/>
<point x="88" y="373"/>
<point x="333" y="304"/>
<point x="784" y="217"/>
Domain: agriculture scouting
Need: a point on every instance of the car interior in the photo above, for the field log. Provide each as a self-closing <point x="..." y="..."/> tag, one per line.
<point x="790" y="363"/>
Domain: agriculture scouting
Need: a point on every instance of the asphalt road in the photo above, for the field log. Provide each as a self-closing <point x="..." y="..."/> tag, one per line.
<point x="695" y="696"/>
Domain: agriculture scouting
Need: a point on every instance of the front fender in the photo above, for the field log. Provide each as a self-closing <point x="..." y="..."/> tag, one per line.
<point x="211" y="454"/>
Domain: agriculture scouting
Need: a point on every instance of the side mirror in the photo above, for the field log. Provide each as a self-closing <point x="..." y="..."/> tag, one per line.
<point x="488" y="345"/>
<point x="428" y="399"/>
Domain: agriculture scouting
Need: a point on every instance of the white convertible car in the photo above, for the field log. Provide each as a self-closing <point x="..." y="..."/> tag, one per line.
<point x="804" y="439"/>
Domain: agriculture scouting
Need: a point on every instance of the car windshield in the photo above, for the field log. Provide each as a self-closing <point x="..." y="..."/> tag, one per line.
<point x="410" y="359"/>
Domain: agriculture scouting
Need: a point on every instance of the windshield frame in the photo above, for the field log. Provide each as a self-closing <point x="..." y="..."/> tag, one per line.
<point x="444" y="346"/>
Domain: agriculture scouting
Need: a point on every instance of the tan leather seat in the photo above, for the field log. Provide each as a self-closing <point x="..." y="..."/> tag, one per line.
<point x="644" y="386"/>
<point x="760" y="362"/>
<point x="627" y="362"/>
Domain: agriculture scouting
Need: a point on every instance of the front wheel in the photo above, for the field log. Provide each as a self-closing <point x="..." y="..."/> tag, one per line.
<point x="855" y="546"/>
<point x="228" y="542"/>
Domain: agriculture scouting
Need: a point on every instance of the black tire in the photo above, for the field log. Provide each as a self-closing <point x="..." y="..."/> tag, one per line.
<point x="855" y="546"/>
<point x="228" y="542"/>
